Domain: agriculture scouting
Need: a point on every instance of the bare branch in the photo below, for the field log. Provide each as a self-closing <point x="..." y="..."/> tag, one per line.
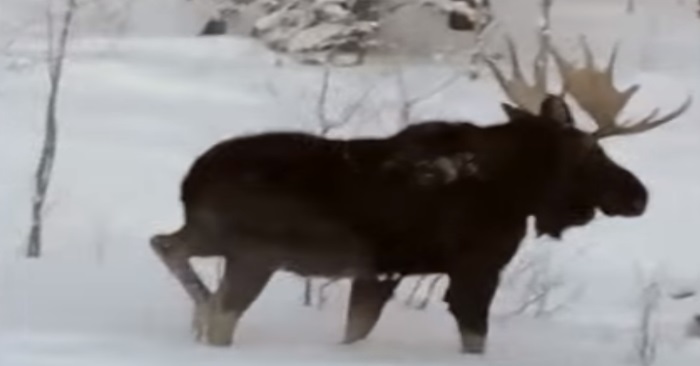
<point x="683" y="294"/>
<point x="412" y="295"/>
<point x="431" y="289"/>
<point x="328" y="124"/>
<point x="517" y="89"/>
<point x="323" y="120"/>
<point x="437" y="89"/>
<point x="322" y="298"/>
<point x="422" y="304"/>
<point x="350" y="111"/>
<point x="408" y="103"/>
<point x="483" y="25"/>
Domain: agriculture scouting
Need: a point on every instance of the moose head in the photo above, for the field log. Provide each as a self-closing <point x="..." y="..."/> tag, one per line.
<point x="591" y="181"/>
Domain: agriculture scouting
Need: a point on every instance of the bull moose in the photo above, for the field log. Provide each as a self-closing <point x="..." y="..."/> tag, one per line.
<point x="436" y="197"/>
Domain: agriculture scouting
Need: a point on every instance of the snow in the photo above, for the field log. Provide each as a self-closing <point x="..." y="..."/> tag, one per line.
<point x="135" y="111"/>
<point x="311" y="26"/>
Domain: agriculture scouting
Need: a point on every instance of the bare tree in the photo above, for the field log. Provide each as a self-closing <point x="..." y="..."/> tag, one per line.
<point x="414" y="291"/>
<point x="308" y="291"/>
<point x="482" y="25"/>
<point x="646" y="340"/>
<point x="544" y="32"/>
<point x="544" y="290"/>
<point x="409" y="102"/>
<point x="57" y="47"/>
<point x="422" y="304"/>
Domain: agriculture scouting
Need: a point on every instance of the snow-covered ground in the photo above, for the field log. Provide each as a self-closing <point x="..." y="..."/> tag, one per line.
<point x="135" y="112"/>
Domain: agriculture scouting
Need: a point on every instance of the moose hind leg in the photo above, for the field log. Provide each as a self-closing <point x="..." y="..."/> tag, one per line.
<point x="367" y="299"/>
<point x="175" y="254"/>
<point x="241" y="284"/>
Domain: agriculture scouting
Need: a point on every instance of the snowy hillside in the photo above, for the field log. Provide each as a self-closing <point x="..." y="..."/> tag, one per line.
<point x="135" y="111"/>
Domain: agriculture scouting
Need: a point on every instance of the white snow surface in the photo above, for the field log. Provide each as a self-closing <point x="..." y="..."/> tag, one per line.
<point x="134" y="113"/>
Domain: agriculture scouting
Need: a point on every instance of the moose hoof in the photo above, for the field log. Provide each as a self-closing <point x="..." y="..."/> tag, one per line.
<point x="473" y="343"/>
<point x="221" y="328"/>
<point x="200" y="321"/>
<point x="348" y="340"/>
<point x="160" y="242"/>
<point x="358" y="329"/>
<point x="214" y="326"/>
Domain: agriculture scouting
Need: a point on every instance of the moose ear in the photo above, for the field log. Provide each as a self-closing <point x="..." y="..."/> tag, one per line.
<point x="556" y="109"/>
<point x="515" y="113"/>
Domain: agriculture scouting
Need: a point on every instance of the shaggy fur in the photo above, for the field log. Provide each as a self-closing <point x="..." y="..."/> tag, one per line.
<point x="437" y="197"/>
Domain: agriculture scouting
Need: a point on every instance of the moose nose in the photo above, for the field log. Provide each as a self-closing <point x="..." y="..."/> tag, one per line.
<point x="618" y="206"/>
<point x="638" y="206"/>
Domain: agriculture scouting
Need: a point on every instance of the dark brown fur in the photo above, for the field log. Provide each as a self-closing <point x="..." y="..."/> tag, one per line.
<point x="437" y="197"/>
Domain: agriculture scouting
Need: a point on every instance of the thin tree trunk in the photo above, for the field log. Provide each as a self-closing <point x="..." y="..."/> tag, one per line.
<point x="42" y="176"/>
<point x="308" y="292"/>
<point x="431" y="289"/>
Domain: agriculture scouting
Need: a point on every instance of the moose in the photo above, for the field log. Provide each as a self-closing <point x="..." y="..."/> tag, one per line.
<point x="436" y="197"/>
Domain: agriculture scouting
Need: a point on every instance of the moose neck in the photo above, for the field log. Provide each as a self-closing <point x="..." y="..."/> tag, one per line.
<point x="523" y="162"/>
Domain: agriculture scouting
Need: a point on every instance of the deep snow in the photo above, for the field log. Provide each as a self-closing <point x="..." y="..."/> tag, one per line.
<point x="134" y="114"/>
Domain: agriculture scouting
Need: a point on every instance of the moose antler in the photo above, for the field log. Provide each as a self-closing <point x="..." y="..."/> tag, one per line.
<point x="595" y="92"/>
<point x="517" y="89"/>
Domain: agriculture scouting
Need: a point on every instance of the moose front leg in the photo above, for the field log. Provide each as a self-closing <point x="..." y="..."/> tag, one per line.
<point x="469" y="297"/>
<point x="241" y="284"/>
<point x="367" y="299"/>
<point x="175" y="253"/>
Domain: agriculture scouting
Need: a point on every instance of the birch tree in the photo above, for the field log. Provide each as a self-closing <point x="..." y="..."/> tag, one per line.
<point x="58" y="34"/>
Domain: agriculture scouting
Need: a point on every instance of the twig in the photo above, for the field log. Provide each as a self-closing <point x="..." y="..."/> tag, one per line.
<point x="323" y="120"/>
<point x="431" y="289"/>
<point x="412" y="295"/>
<point x="408" y="103"/>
